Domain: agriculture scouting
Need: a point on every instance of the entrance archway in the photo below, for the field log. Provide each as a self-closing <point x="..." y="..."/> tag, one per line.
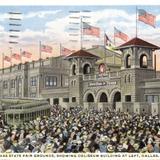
<point x="90" y="98"/>
<point x="103" y="97"/>
<point x="117" y="98"/>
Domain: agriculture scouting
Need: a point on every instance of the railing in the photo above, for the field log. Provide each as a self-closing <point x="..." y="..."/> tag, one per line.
<point x="101" y="76"/>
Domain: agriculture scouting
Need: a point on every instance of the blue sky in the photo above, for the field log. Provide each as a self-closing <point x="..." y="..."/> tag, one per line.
<point x="50" y="24"/>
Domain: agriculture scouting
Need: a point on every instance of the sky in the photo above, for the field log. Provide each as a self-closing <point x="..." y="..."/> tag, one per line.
<point x="51" y="25"/>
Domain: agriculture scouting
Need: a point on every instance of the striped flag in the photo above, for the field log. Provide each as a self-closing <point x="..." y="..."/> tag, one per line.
<point x="65" y="51"/>
<point x="90" y="30"/>
<point x="26" y="54"/>
<point x="119" y="34"/>
<point x="6" y="58"/>
<point x="16" y="56"/>
<point x="146" y="18"/>
<point x="46" y="48"/>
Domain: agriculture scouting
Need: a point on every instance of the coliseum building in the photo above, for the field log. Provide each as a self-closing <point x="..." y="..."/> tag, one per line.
<point x="95" y="78"/>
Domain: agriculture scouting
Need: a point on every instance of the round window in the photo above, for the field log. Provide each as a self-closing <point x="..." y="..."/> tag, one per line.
<point x="102" y="68"/>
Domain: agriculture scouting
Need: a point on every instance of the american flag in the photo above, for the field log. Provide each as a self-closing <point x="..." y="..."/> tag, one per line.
<point x="90" y="30"/>
<point x="65" y="51"/>
<point x="16" y="56"/>
<point x="6" y="58"/>
<point x="147" y="18"/>
<point x="26" y="54"/>
<point x="119" y="34"/>
<point x="46" y="48"/>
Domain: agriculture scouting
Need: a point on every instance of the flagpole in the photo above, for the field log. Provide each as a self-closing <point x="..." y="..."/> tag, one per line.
<point x="155" y="65"/>
<point x="11" y="56"/>
<point x="21" y="55"/>
<point x="104" y="39"/>
<point x="136" y="21"/>
<point x="60" y="49"/>
<point x="40" y="54"/>
<point x="81" y="43"/>
<point x="114" y="37"/>
<point x="2" y="71"/>
<point x="2" y="63"/>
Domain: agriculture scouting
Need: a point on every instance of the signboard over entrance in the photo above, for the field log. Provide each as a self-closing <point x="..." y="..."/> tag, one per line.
<point x="95" y="84"/>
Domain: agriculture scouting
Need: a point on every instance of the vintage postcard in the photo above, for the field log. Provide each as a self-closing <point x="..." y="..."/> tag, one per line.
<point x="79" y="81"/>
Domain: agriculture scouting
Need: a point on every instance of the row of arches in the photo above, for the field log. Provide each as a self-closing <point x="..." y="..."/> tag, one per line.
<point x="103" y="97"/>
<point x="143" y="61"/>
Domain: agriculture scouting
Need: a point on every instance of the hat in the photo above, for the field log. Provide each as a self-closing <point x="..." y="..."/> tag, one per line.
<point x="110" y="148"/>
<point x="144" y="149"/>
<point x="8" y="151"/>
<point x="120" y="147"/>
<point x="136" y="146"/>
<point x="85" y="150"/>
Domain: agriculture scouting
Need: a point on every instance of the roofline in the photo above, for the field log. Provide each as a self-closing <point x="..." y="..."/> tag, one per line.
<point x="121" y="47"/>
<point x="94" y="57"/>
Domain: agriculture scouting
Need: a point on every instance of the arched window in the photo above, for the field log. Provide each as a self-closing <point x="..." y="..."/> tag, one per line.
<point x="129" y="78"/>
<point x="74" y="69"/>
<point x="128" y="61"/>
<point x="125" y="79"/>
<point x="90" y="98"/>
<point x="103" y="98"/>
<point x="86" y="69"/>
<point x="143" y="61"/>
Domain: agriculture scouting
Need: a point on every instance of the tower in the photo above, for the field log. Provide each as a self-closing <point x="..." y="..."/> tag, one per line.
<point x="137" y="66"/>
<point x="81" y="63"/>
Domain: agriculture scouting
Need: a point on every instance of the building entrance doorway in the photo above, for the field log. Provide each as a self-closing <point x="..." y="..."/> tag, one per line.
<point x="117" y="98"/>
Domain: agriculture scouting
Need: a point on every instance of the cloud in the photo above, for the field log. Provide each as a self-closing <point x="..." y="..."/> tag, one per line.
<point x="40" y="14"/>
<point x="3" y="16"/>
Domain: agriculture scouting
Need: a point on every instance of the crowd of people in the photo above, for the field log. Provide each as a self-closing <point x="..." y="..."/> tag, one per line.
<point x="80" y="131"/>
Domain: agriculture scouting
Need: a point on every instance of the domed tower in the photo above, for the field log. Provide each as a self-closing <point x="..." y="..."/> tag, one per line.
<point x="137" y="65"/>
<point x="81" y="63"/>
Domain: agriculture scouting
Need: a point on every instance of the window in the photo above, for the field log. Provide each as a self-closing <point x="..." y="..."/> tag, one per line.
<point x="86" y="69"/>
<point x="143" y="61"/>
<point x="5" y="84"/>
<point x="50" y="81"/>
<point x="125" y="79"/>
<point x="152" y="98"/>
<point x="74" y="69"/>
<point x="65" y="99"/>
<point x="66" y="81"/>
<point x="128" y="61"/>
<point x="73" y="99"/>
<point x="33" y="81"/>
<point x="13" y="82"/>
<point x="128" y="98"/>
<point x="129" y="78"/>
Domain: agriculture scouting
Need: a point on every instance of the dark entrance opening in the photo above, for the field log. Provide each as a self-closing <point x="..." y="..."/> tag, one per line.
<point x="117" y="98"/>
<point x="128" y="98"/>
<point x="90" y="98"/>
<point x="55" y="101"/>
<point x="103" y="98"/>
